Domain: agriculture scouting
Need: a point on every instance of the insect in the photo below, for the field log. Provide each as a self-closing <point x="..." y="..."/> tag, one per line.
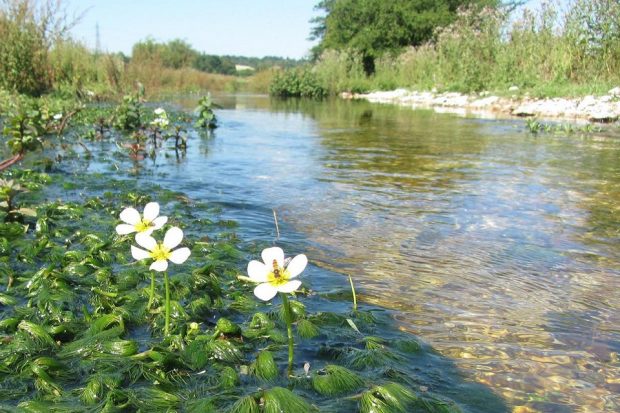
<point x="276" y="269"/>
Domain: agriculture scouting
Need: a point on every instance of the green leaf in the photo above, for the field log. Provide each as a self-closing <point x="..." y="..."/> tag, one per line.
<point x="224" y="350"/>
<point x="6" y="299"/>
<point x="245" y="404"/>
<point x="279" y="399"/>
<point x="334" y="380"/>
<point x="307" y="329"/>
<point x="37" y="332"/>
<point x="228" y="378"/>
<point x="226" y="326"/>
<point x="265" y="367"/>
<point x="388" y="398"/>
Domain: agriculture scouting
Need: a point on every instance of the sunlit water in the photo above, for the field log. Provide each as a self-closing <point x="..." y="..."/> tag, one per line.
<point x="499" y="248"/>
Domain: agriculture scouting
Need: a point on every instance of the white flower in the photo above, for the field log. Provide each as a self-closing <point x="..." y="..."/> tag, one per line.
<point x="147" y="223"/>
<point x="161" y="253"/>
<point x="161" y="119"/>
<point x="58" y="116"/>
<point x="272" y="274"/>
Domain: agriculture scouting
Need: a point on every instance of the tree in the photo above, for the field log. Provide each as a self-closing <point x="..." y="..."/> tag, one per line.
<point x="374" y="27"/>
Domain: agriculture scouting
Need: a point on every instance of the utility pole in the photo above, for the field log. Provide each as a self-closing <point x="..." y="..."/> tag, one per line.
<point x="98" y="40"/>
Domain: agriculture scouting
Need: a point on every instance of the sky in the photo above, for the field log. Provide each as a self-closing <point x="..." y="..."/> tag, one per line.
<point x="234" y="27"/>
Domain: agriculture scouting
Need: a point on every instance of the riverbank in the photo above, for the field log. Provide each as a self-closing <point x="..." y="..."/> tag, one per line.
<point x="600" y="109"/>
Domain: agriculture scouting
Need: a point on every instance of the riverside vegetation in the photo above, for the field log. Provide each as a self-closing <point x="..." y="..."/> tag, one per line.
<point x="569" y="50"/>
<point x="39" y="56"/>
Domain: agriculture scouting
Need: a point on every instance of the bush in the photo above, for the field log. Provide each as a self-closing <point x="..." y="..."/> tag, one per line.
<point x="23" y="50"/>
<point x="297" y="83"/>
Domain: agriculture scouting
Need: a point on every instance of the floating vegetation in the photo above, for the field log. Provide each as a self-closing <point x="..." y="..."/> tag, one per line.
<point x="206" y="115"/>
<point x="534" y="126"/>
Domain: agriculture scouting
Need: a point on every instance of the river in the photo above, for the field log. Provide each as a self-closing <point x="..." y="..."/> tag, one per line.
<point x="498" y="247"/>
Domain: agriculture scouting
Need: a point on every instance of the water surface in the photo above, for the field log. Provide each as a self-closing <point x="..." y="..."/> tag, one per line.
<point x="499" y="248"/>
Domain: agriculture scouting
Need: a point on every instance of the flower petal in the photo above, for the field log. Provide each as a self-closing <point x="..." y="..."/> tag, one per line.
<point x="297" y="265"/>
<point x="173" y="237"/>
<point x="139" y="254"/>
<point x="159" y="222"/>
<point x="130" y="216"/>
<point x="159" y="265"/>
<point x="124" y="229"/>
<point x="145" y="240"/>
<point x="179" y="256"/>
<point x="273" y="253"/>
<point x="258" y="271"/>
<point x="265" y="291"/>
<point x="151" y="211"/>
<point x="289" y="287"/>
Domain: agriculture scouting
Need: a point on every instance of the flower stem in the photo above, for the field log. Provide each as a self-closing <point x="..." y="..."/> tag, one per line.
<point x="152" y="291"/>
<point x="166" y="284"/>
<point x="288" y="318"/>
<point x="354" y="296"/>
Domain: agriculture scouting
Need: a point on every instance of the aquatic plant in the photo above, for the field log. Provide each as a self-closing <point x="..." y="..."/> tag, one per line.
<point x="149" y="221"/>
<point x="161" y="253"/>
<point x="274" y="275"/>
<point x="9" y="189"/>
<point x="204" y="111"/>
<point x="534" y="126"/>
<point x="161" y="120"/>
<point x="129" y="113"/>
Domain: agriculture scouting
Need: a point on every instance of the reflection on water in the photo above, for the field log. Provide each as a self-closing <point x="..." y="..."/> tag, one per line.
<point x="498" y="247"/>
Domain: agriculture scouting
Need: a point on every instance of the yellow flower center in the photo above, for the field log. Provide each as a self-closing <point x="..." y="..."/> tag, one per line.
<point x="160" y="253"/>
<point x="279" y="276"/>
<point x="143" y="225"/>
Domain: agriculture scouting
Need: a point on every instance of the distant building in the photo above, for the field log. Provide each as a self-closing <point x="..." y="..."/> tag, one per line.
<point x="244" y="68"/>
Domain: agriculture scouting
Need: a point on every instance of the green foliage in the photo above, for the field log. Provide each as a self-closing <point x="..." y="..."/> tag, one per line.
<point x="246" y="404"/>
<point x="264" y="366"/>
<point x="25" y="124"/>
<point x="204" y="111"/>
<point x="302" y="83"/>
<point x="128" y="113"/>
<point x="387" y="398"/>
<point x="24" y="48"/>
<point x="307" y="329"/>
<point x="279" y="399"/>
<point x="225" y="326"/>
<point x="475" y="49"/>
<point x="373" y="27"/>
<point x="333" y="380"/>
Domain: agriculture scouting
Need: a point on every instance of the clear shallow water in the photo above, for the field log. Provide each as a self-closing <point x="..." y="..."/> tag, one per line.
<point x="499" y="248"/>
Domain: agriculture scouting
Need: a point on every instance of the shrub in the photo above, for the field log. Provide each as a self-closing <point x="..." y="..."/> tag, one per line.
<point x="297" y="83"/>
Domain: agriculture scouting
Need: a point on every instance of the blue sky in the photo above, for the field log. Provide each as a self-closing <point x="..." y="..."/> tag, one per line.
<point x="237" y="27"/>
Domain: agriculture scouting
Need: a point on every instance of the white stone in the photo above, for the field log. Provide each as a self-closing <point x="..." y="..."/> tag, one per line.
<point x="614" y="92"/>
<point x="603" y="117"/>
<point x="483" y="103"/>
<point x="513" y="88"/>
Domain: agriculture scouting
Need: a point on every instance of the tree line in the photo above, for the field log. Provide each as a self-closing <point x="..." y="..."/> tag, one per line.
<point x="178" y="54"/>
